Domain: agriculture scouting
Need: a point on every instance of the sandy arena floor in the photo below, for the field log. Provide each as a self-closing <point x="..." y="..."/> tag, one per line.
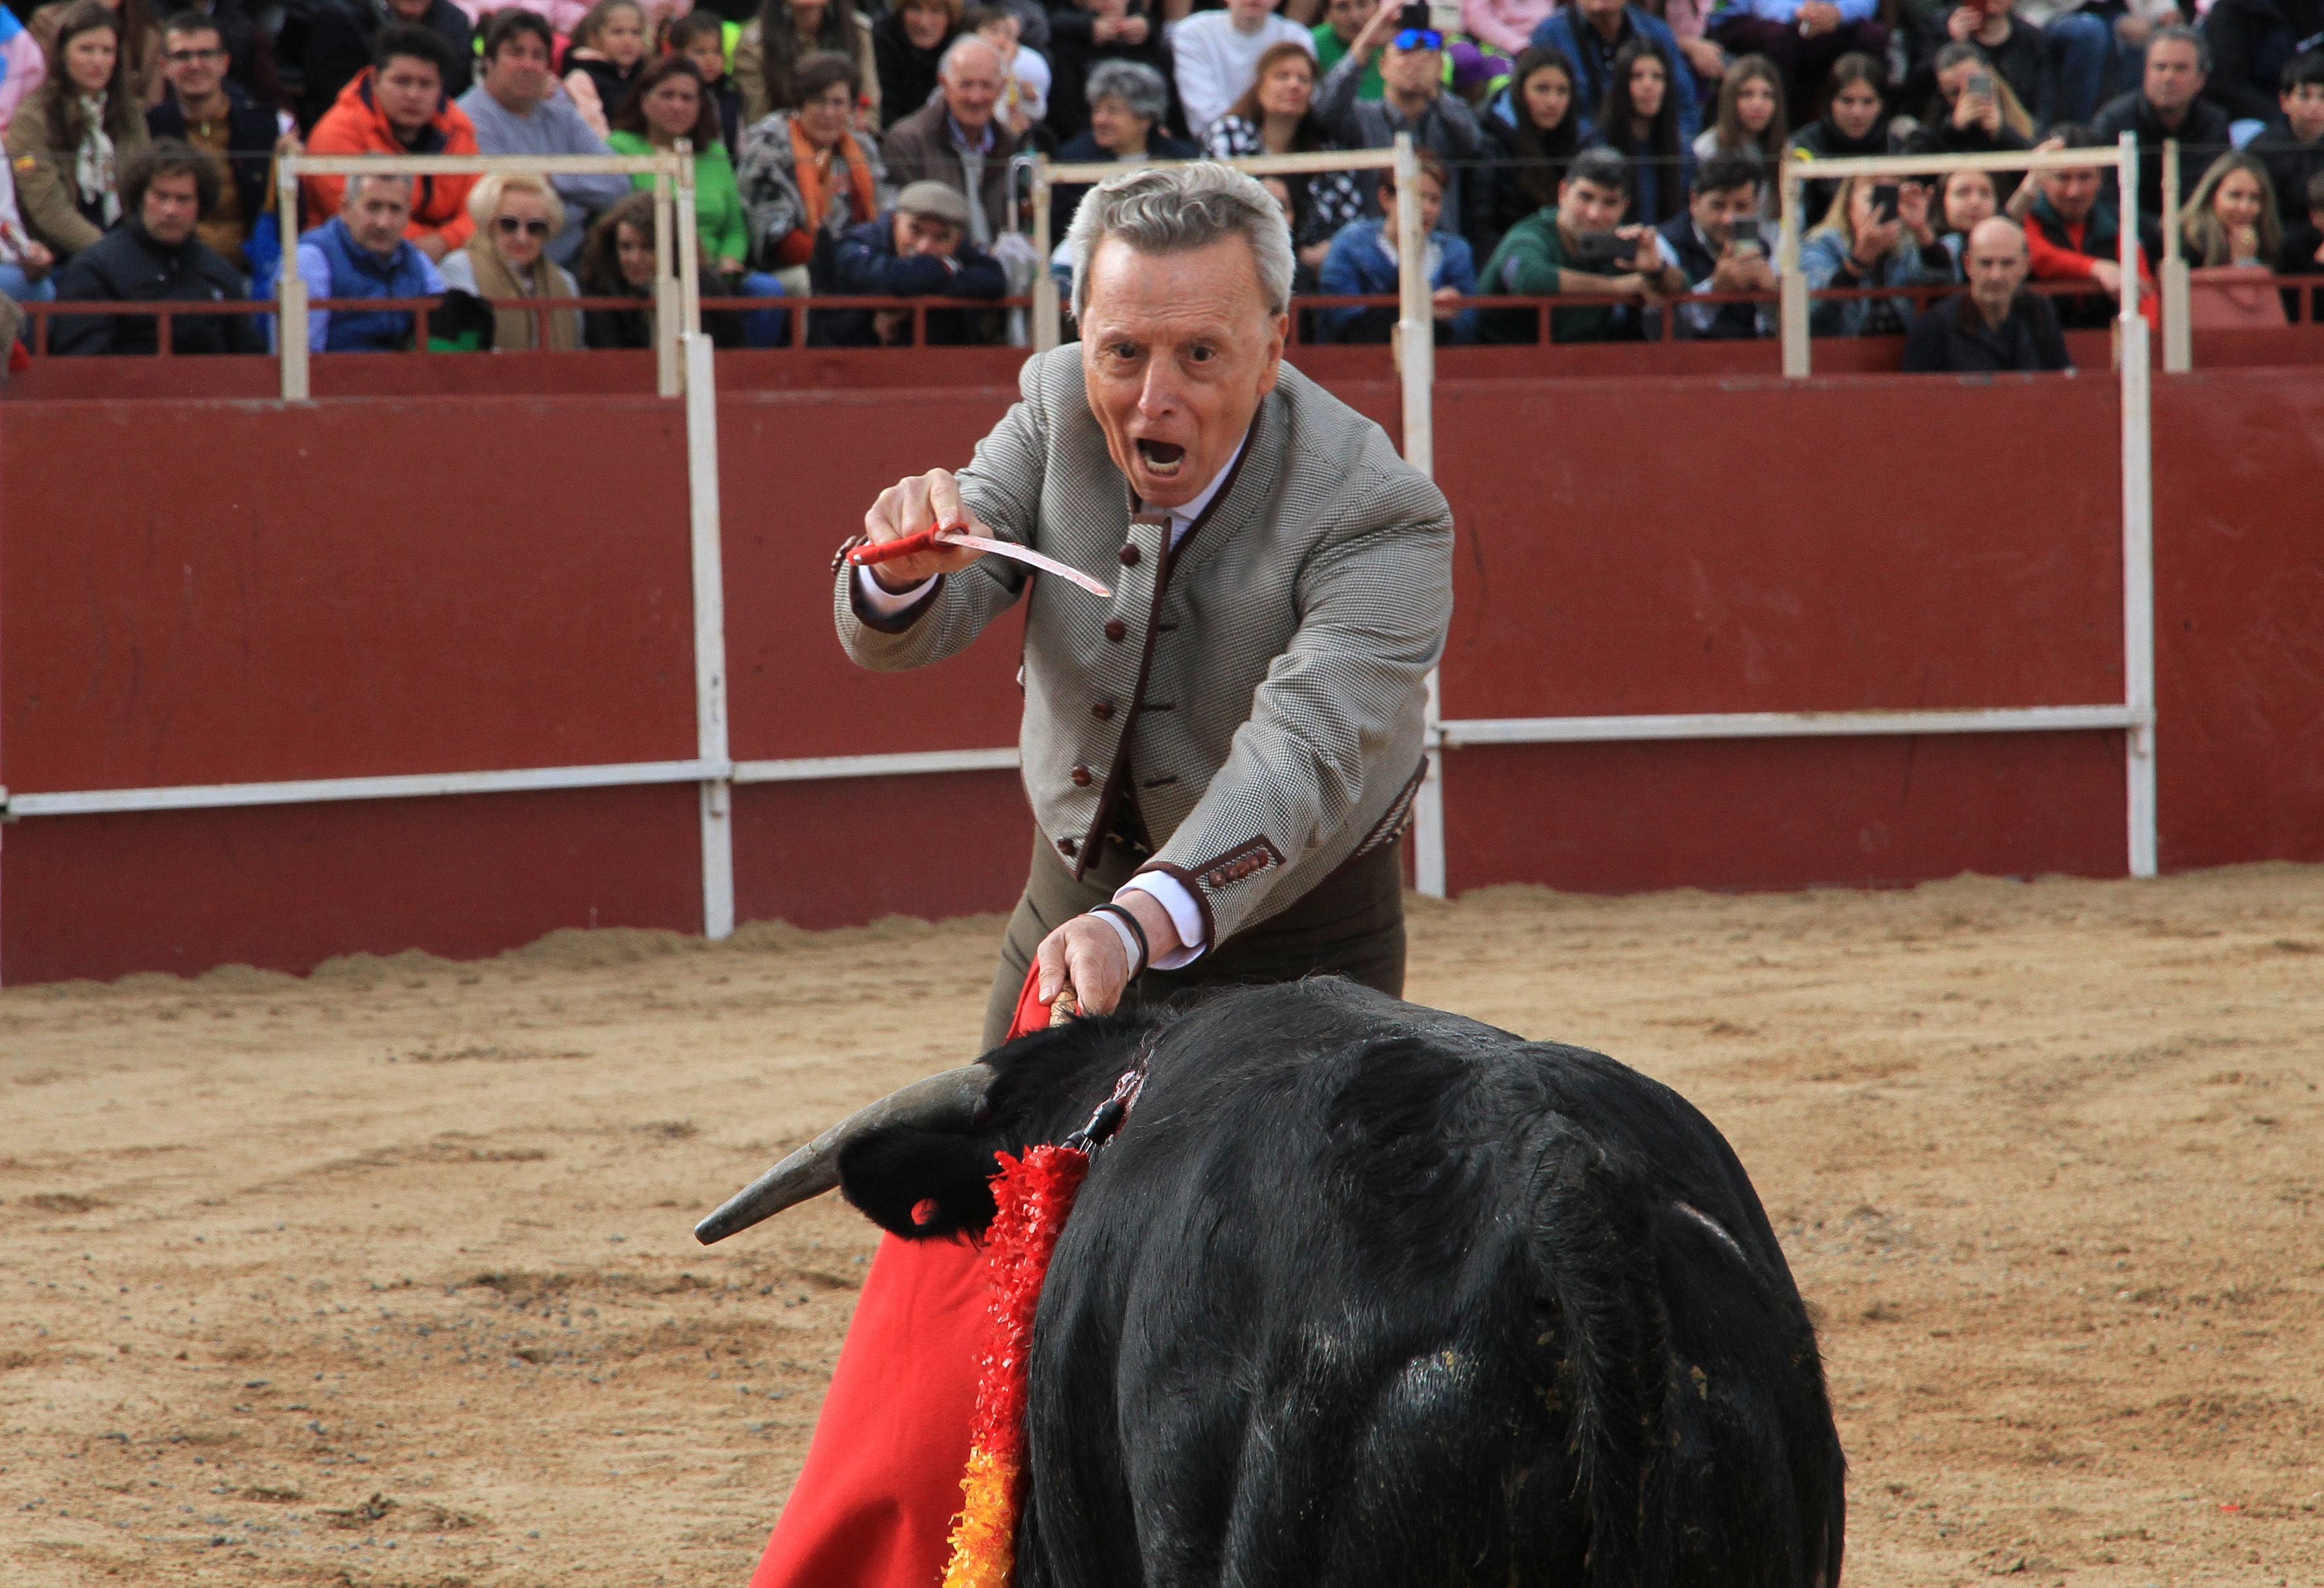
<point x="384" y="1277"/>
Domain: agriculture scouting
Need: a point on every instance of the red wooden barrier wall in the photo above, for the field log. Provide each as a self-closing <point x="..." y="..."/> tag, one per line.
<point x="461" y="582"/>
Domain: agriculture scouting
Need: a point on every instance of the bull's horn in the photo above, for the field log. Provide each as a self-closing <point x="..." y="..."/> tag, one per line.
<point x="955" y="1098"/>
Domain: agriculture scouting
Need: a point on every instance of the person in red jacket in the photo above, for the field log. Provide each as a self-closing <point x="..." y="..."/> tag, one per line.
<point x="399" y="106"/>
<point x="2073" y="235"/>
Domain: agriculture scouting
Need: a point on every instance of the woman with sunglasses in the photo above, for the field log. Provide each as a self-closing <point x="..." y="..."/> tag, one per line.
<point x="503" y="262"/>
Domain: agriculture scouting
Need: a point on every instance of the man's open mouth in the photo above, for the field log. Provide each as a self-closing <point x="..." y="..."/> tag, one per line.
<point x="1160" y="457"/>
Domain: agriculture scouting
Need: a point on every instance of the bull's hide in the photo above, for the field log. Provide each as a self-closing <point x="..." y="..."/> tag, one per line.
<point x="1367" y="1294"/>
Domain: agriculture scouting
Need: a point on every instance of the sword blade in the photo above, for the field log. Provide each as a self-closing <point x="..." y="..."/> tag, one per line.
<point x="1024" y="554"/>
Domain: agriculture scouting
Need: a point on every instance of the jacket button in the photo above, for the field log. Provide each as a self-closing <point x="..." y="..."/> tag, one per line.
<point x="1080" y="777"/>
<point x="1102" y="711"/>
<point x="1130" y="555"/>
<point x="1116" y="630"/>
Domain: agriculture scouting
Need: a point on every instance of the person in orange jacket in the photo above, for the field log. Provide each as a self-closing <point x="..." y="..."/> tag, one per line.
<point x="399" y="106"/>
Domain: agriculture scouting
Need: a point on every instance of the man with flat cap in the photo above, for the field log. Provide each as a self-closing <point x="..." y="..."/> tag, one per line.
<point x="1221" y="756"/>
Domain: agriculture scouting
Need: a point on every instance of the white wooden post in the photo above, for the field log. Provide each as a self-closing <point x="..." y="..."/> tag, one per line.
<point x="1792" y="298"/>
<point x="689" y="246"/>
<point x="1415" y="349"/>
<point x="2178" y="331"/>
<point x="289" y="291"/>
<point x="669" y="375"/>
<point x="2137" y="535"/>
<point x="709" y="637"/>
<point x="1048" y="327"/>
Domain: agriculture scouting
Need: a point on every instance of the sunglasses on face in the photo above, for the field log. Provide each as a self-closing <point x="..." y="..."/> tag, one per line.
<point x="509" y="226"/>
<point x="1420" y="39"/>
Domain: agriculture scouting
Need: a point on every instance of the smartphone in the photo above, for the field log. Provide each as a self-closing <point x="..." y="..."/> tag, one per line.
<point x="1744" y="238"/>
<point x="1981" y="85"/>
<point x="1602" y="248"/>
<point x="1883" y="202"/>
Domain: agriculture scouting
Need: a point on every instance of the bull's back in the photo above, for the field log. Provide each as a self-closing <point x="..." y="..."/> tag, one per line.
<point x="1386" y="1297"/>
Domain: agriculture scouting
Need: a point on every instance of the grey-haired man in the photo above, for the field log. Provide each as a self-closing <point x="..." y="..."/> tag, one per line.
<point x="1222" y="755"/>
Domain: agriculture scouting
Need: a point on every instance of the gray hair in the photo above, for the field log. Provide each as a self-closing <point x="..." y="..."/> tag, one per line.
<point x="954" y="50"/>
<point x="1177" y="208"/>
<point x="354" y="190"/>
<point x="1139" y="87"/>
<point x="2181" y="33"/>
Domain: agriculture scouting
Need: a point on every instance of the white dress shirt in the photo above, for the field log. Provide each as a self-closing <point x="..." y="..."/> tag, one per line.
<point x="1166" y="889"/>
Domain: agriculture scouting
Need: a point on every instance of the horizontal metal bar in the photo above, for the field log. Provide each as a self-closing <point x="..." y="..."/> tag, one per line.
<point x="1906" y="165"/>
<point x="477" y="165"/>
<point x="1779" y="724"/>
<point x="813" y="768"/>
<point x="316" y="791"/>
<point x="1258" y="165"/>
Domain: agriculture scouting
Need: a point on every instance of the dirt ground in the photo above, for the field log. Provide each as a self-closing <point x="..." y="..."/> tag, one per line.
<point x="384" y="1277"/>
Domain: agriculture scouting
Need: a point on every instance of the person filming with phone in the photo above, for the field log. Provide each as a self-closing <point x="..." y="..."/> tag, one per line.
<point x="1874" y="235"/>
<point x="1973" y="112"/>
<point x="1718" y="244"/>
<point x="1579" y="250"/>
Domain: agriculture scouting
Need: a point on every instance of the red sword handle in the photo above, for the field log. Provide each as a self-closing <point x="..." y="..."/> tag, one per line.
<point x="872" y="551"/>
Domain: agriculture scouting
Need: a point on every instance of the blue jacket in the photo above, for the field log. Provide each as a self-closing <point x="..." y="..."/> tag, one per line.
<point x="1590" y="85"/>
<point x="1358" y="266"/>
<point x="865" y="264"/>
<point x="335" y="267"/>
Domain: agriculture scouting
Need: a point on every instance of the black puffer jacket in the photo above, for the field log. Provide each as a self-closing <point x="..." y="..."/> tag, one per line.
<point x="126" y="265"/>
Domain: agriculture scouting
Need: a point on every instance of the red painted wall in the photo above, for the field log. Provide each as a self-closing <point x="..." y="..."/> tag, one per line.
<point x="454" y="582"/>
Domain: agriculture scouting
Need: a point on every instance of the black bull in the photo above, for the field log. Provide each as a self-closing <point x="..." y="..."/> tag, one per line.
<point x="1367" y="1294"/>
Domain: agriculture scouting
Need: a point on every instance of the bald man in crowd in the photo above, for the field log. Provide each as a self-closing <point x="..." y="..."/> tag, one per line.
<point x="1996" y="324"/>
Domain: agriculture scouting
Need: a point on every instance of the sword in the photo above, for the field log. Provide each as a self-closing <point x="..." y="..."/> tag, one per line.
<point x="872" y="551"/>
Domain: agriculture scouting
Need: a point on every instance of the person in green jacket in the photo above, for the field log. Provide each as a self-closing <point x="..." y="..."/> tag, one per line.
<point x="1577" y="249"/>
<point x="668" y="104"/>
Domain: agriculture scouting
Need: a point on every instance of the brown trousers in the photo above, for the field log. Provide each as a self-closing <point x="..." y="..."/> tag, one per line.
<point x="1350" y="924"/>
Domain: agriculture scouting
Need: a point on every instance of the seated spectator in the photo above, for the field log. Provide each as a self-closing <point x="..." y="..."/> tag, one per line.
<point x="1024" y="75"/>
<point x="1342" y="21"/>
<point x="2251" y="42"/>
<point x="1972" y="111"/>
<point x="617" y="261"/>
<point x="1996" y="324"/>
<point x="1802" y="37"/>
<point x="1964" y="197"/>
<point x="785" y="33"/>
<point x="342" y="36"/>
<point x="399" y="107"/>
<point x="921" y="251"/>
<point x="954" y="140"/>
<point x="1854" y="123"/>
<point x="207" y="110"/>
<point x="1276" y="115"/>
<point x="1218" y="55"/>
<point x="1569" y="252"/>
<point x="1362" y="262"/>
<point x="67" y="137"/>
<point x="518" y="109"/>
<point x="807" y="179"/>
<point x="363" y="251"/>
<point x="2233" y="240"/>
<point x="154" y="256"/>
<point x="2293" y="150"/>
<point x="24" y="264"/>
<point x="1591" y="32"/>
<point x="249" y="49"/>
<point x="2303" y="252"/>
<point x="506" y="257"/>
<point x="1751" y="118"/>
<point x="1082" y="33"/>
<point x="1504" y="27"/>
<point x="1413" y="100"/>
<point x="1702" y="246"/>
<point x="908" y="45"/>
<point x="701" y="38"/>
<point x="1639" y="122"/>
<point x="2011" y="44"/>
<point x="1127" y="103"/>
<point x="2167" y="105"/>
<point x="1533" y="130"/>
<point x="2072" y="234"/>
<point x="602" y="61"/>
<point x="137" y="36"/>
<point x="1874" y="235"/>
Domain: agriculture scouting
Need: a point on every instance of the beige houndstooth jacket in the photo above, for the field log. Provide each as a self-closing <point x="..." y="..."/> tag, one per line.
<point x="1259" y="694"/>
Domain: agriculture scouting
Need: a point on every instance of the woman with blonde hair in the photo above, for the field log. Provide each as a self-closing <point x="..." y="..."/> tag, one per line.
<point x="1861" y="243"/>
<point x="505" y="259"/>
<point x="2233" y="237"/>
<point x="66" y="141"/>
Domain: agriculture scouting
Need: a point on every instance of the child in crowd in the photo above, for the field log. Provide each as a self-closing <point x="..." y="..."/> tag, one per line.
<point x="701" y="37"/>
<point x="2293" y="150"/>
<point x="609" y="49"/>
<point x="1024" y="74"/>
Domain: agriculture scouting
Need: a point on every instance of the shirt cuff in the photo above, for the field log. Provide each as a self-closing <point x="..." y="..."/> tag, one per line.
<point x="878" y="600"/>
<point x="1186" y="915"/>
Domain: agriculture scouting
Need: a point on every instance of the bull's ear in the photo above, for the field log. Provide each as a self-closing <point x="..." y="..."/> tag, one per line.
<point x="918" y="1184"/>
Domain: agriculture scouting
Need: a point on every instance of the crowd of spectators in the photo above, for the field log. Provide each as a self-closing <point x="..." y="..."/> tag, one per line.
<point x="1620" y="154"/>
